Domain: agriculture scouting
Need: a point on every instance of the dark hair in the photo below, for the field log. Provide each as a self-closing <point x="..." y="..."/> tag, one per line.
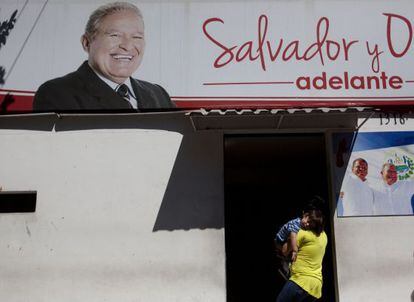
<point x="316" y="221"/>
<point x="357" y="160"/>
<point x="316" y="203"/>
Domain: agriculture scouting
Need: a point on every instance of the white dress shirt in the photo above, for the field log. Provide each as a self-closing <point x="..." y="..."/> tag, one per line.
<point x="394" y="199"/>
<point x="357" y="197"/>
<point x="114" y="86"/>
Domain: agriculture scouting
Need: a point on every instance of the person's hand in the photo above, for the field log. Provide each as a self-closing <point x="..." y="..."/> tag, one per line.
<point x="294" y="255"/>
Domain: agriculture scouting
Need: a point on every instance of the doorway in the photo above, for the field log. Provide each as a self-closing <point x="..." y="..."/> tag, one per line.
<point x="267" y="178"/>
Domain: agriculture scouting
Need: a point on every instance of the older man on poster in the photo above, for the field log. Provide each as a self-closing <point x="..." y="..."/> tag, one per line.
<point x="393" y="197"/>
<point x="357" y="196"/>
<point x="114" y="40"/>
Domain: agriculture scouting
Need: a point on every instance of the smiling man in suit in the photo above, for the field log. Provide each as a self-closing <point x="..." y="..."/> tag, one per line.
<point x="114" y="40"/>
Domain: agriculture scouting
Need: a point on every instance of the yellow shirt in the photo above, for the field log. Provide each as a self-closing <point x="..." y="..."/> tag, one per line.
<point x="306" y="271"/>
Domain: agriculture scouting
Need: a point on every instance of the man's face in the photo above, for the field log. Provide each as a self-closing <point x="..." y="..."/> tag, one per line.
<point x="360" y="169"/>
<point x="389" y="175"/>
<point x="116" y="50"/>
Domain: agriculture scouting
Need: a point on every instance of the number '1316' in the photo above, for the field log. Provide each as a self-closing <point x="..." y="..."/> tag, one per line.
<point x="392" y="118"/>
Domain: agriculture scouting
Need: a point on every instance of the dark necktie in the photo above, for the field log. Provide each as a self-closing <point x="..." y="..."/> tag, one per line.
<point x="123" y="91"/>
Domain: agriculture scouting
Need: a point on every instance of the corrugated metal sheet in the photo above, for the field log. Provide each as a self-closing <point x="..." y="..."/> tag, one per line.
<point x="298" y="119"/>
<point x="206" y="112"/>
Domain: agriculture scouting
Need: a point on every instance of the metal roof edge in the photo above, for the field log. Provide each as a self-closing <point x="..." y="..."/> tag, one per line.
<point x="261" y="111"/>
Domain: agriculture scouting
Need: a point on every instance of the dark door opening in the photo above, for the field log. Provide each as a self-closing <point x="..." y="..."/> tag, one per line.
<point x="267" y="179"/>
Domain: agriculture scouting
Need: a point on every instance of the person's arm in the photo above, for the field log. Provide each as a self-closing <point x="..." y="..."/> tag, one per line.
<point x="294" y="245"/>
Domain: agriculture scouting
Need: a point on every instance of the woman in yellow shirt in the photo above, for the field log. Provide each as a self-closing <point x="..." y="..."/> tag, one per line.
<point x="305" y="283"/>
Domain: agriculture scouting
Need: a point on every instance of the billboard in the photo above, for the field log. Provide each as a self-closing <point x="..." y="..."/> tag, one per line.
<point x="211" y="54"/>
<point x="379" y="177"/>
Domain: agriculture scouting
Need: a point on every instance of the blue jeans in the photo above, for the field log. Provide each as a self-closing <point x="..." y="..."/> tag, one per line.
<point x="291" y="292"/>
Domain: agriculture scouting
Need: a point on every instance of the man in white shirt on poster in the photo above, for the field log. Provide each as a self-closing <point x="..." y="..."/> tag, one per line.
<point x="393" y="197"/>
<point x="357" y="196"/>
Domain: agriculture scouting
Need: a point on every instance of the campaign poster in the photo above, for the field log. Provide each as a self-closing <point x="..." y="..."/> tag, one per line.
<point x="374" y="170"/>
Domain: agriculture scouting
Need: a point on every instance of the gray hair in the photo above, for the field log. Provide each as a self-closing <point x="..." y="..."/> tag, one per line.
<point x="105" y="10"/>
<point x="387" y="166"/>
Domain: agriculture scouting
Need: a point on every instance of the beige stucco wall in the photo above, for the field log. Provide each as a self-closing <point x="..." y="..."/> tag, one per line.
<point x="375" y="258"/>
<point x="130" y="208"/>
<point x="92" y="236"/>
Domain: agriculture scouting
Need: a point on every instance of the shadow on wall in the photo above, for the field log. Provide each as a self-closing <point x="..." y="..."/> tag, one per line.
<point x="194" y="195"/>
<point x="342" y="146"/>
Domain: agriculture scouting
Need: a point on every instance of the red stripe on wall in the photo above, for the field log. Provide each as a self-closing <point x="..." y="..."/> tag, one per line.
<point x="16" y="102"/>
<point x="11" y="102"/>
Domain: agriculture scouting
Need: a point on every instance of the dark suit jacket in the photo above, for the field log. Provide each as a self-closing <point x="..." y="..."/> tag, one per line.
<point x="83" y="90"/>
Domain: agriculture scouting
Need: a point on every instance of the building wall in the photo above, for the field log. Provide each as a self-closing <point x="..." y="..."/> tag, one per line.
<point x="100" y="195"/>
<point x="375" y="258"/>
<point x="131" y="208"/>
<point x="375" y="255"/>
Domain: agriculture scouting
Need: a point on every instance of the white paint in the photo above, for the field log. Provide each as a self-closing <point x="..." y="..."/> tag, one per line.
<point x="386" y="122"/>
<point x="99" y="194"/>
<point x="375" y="258"/>
<point x="91" y="237"/>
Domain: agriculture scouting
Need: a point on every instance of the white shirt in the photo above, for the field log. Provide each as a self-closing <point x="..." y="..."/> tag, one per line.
<point x="394" y="199"/>
<point x="357" y="197"/>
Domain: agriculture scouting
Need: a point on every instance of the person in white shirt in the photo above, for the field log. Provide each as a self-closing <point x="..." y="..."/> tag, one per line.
<point x="393" y="197"/>
<point x="356" y="195"/>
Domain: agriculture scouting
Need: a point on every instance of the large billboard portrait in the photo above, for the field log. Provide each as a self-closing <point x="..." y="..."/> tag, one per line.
<point x="96" y="55"/>
<point x="113" y="39"/>
<point x="379" y="177"/>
